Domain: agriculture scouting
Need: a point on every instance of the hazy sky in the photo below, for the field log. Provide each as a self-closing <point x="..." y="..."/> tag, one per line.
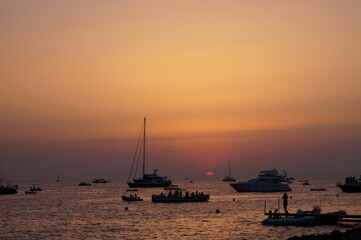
<point x="259" y="83"/>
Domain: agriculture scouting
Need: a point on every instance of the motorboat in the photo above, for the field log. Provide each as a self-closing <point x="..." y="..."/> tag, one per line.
<point x="267" y="181"/>
<point x="8" y="189"/>
<point x="304" y="218"/>
<point x="35" y="188"/>
<point x="147" y="180"/>
<point x="131" y="198"/>
<point x="84" y="184"/>
<point x="177" y="196"/>
<point x="30" y="192"/>
<point x="100" y="180"/>
<point x="351" y="185"/>
<point x="306" y="182"/>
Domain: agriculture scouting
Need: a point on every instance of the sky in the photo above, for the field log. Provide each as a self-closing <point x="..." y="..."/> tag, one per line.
<point x="262" y="84"/>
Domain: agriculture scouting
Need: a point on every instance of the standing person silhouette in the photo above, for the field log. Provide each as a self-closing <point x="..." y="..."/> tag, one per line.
<point x="285" y="202"/>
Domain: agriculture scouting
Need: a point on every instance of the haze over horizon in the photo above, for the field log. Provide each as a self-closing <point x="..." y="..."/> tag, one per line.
<point x="261" y="84"/>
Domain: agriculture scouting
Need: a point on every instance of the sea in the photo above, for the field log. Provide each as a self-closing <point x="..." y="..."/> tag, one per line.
<point x="64" y="210"/>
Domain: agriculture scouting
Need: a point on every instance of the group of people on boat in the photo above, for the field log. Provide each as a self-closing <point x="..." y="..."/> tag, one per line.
<point x="134" y="197"/>
<point x="352" y="180"/>
<point x="179" y="194"/>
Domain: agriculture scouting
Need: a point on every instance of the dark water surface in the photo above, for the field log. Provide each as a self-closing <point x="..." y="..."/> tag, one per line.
<point x="65" y="210"/>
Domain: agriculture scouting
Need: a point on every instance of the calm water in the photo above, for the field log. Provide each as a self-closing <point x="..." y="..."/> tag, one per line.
<point x="66" y="211"/>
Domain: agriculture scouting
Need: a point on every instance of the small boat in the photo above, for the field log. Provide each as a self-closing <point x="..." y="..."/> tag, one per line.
<point x="229" y="177"/>
<point x="100" y="180"/>
<point x="267" y="181"/>
<point x="8" y="189"/>
<point x="132" y="198"/>
<point x="84" y="184"/>
<point x="304" y="218"/>
<point x="147" y="180"/>
<point x="57" y="178"/>
<point x="35" y="188"/>
<point x="177" y="197"/>
<point x="290" y="221"/>
<point x="317" y="189"/>
<point x="132" y="190"/>
<point x="306" y="182"/>
<point x="30" y="192"/>
<point x="173" y="187"/>
<point x="351" y="185"/>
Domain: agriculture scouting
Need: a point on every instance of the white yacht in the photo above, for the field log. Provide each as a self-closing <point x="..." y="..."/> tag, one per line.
<point x="267" y="181"/>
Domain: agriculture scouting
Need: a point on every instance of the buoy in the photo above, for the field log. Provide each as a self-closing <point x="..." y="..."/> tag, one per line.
<point x="126" y="208"/>
<point x="217" y="211"/>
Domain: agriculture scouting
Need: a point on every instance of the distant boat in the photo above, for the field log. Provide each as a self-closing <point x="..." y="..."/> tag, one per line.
<point x="317" y="189"/>
<point x="57" y="178"/>
<point x="351" y="185"/>
<point x="100" y="180"/>
<point x="229" y="178"/>
<point x="84" y="184"/>
<point x="306" y="182"/>
<point x="35" y="188"/>
<point x="147" y="180"/>
<point x="7" y="188"/>
<point x="132" y="198"/>
<point x="267" y="181"/>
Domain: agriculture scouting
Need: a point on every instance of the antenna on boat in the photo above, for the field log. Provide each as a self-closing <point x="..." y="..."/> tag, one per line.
<point x="145" y="121"/>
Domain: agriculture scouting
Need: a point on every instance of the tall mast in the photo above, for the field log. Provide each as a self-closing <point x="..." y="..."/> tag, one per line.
<point x="229" y="167"/>
<point x="144" y="146"/>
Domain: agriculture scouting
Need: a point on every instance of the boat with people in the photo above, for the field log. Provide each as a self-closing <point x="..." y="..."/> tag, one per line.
<point x="84" y="184"/>
<point x="229" y="177"/>
<point x="100" y="180"/>
<point x="267" y="181"/>
<point x="177" y="196"/>
<point x="351" y="185"/>
<point x="35" y="188"/>
<point x="131" y="198"/>
<point x="147" y="180"/>
<point x="304" y="218"/>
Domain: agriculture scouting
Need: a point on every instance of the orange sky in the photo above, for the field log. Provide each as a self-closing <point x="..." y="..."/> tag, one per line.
<point x="85" y="70"/>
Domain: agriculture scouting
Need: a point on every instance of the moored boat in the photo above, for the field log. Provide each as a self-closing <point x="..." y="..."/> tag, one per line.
<point x="8" y="189"/>
<point x="84" y="184"/>
<point x="267" y="181"/>
<point x="304" y="218"/>
<point x="229" y="177"/>
<point x="100" y="180"/>
<point x="146" y="180"/>
<point x="351" y="185"/>
<point x="131" y="198"/>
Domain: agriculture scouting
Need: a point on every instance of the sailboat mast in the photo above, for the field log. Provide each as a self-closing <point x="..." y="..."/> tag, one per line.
<point x="229" y="167"/>
<point x="144" y="146"/>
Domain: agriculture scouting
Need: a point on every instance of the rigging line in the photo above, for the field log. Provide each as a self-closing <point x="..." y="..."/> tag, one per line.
<point x="135" y="156"/>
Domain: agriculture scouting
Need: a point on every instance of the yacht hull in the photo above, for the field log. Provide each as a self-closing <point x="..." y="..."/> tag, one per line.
<point x="266" y="187"/>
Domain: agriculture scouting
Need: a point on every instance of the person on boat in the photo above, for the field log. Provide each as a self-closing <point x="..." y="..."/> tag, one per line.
<point x="275" y="214"/>
<point x="285" y="202"/>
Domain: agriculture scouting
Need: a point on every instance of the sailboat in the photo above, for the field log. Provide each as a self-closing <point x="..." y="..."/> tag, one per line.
<point x="229" y="178"/>
<point x="57" y="178"/>
<point x="147" y="180"/>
